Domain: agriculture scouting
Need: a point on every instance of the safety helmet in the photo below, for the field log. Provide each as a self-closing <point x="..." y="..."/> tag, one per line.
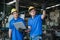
<point x="31" y="8"/>
<point x="13" y="10"/>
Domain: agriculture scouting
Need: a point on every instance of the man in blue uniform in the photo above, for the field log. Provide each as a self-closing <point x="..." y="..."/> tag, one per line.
<point x="35" y="24"/>
<point x="15" y="34"/>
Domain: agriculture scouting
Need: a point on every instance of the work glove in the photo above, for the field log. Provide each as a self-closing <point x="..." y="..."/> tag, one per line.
<point x="44" y="6"/>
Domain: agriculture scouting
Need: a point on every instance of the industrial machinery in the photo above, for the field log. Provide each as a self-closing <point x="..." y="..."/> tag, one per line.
<point x="51" y="24"/>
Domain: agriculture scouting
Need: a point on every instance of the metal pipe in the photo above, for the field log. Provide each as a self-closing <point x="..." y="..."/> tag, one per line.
<point x="17" y="5"/>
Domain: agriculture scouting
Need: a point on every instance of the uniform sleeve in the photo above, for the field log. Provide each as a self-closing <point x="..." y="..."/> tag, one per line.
<point x="23" y="22"/>
<point x="29" y="24"/>
<point x="10" y="25"/>
<point x="40" y="16"/>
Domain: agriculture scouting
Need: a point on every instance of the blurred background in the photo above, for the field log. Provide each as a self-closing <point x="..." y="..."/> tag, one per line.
<point x="51" y="24"/>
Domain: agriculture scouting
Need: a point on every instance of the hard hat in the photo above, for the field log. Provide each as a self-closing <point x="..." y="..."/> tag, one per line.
<point x="30" y="8"/>
<point x="13" y="10"/>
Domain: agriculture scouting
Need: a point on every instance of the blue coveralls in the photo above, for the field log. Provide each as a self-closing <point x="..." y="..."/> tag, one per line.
<point x="16" y="34"/>
<point x="36" y="27"/>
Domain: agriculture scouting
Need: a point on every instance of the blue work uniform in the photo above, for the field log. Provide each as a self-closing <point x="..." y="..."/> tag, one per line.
<point x="16" y="34"/>
<point x="35" y="25"/>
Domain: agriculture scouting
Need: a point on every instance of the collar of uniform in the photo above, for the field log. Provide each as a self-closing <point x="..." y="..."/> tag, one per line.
<point x="16" y="19"/>
<point x="33" y="17"/>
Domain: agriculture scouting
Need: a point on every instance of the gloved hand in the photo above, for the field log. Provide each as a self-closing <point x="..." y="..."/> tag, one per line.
<point x="44" y="6"/>
<point x="27" y="31"/>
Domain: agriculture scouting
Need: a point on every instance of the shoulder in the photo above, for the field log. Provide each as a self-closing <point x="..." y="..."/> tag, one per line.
<point x="21" y="19"/>
<point x="39" y="15"/>
<point x="11" y="21"/>
<point x="29" y="19"/>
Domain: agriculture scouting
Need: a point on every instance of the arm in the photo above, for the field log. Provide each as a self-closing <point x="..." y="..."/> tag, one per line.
<point x="10" y="32"/>
<point x="44" y="10"/>
<point x="29" y="26"/>
<point x="44" y="14"/>
<point x="28" y="30"/>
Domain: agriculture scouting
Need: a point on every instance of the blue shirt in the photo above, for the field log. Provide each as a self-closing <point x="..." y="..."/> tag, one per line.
<point x="36" y="25"/>
<point x="16" y="35"/>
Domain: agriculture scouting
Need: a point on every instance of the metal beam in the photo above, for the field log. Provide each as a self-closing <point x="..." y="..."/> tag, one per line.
<point x="17" y="5"/>
<point x="11" y="2"/>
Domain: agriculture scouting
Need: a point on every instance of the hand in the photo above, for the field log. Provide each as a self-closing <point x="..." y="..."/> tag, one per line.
<point x="44" y="6"/>
<point x="27" y="31"/>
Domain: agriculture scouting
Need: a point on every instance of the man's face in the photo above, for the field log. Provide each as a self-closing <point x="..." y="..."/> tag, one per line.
<point x="15" y="14"/>
<point x="32" y="12"/>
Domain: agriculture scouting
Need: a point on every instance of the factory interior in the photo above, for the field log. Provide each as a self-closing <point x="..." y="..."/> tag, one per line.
<point x="50" y="25"/>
